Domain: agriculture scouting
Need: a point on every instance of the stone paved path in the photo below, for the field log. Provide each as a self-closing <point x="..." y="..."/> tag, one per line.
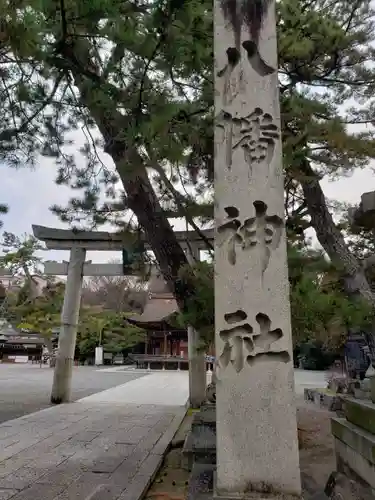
<point x="99" y="448"/>
<point x="164" y="388"/>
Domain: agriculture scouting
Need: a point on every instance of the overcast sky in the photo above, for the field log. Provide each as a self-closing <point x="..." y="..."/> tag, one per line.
<point x="29" y="195"/>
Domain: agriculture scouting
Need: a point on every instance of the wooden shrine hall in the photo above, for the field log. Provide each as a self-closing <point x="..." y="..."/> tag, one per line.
<point x="166" y="345"/>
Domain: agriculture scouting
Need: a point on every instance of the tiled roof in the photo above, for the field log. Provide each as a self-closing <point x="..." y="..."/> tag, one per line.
<point x="161" y="303"/>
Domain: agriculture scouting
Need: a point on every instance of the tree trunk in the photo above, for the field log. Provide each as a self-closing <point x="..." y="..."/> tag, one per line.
<point x="141" y="197"/>
<point x="330" y="236"/>
<point x="143" y="201"/>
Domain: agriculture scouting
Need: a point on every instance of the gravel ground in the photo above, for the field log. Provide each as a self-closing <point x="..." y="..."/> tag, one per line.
<point x="317" y="456"/>
<point x="26" y="388"/>
<point x="316" y="452"/>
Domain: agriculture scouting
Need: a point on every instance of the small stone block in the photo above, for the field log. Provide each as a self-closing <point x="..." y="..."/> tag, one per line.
<point x="207" y="418"/>
<point x="361" y="413"/>
<point x="201" y="480"/>
<point x="199" y="447"/>
<point x="187" y="458"/>
<point x="355" y="462"/>
<point x="356" y="438"/>
<point x="360" y="394"/>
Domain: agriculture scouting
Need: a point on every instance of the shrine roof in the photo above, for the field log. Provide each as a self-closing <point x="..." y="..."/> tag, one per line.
<point x="160" y="306"/>
<point x="156" y="311"/>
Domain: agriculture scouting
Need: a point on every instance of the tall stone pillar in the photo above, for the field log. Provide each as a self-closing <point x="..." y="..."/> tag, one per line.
<point x="62" y="376"/>
<point x="257" y="446"/>
<point x="197" y="357"/>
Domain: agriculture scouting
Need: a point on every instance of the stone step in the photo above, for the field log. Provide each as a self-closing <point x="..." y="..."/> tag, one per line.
<point x="205" y="417"/>
<point x="201" y="482"/>
<point x="360" y="413"/>
<point x="359" y="440"/>
<point x="199" y="447"/>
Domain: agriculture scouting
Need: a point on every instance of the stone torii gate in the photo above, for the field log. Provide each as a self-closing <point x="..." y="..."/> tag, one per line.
<point x="78" y="242"/>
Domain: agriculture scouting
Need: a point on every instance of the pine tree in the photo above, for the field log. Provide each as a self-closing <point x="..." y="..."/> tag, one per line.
<point x="136" y="78"/>
<point x="327" y="88"/>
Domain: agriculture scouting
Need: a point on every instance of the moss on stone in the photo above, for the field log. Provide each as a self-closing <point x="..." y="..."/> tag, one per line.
<point x="337" y="429"/>
<point x="361" y="414"/>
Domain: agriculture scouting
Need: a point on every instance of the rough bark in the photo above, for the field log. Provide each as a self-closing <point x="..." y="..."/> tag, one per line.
<point x="331" y="238"/>
<point x="142" y="200"/>
<point x="131" y="168"/>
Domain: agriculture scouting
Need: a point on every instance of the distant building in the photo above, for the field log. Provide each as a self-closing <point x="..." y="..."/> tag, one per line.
<point x="163" y="338"/>
<point x="8" y="280"/>
<point x="17" y="346"/>
<point x="14" y="282"/>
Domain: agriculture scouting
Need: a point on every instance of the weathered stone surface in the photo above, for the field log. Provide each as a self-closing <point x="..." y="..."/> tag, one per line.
<point x="141" y="482"/>
<point x="361" y="394"/>
<point x="129" y="468"/>
<point x="100" y="464"/>
<point x="162" y="445"/>
<point x="64" y="474"/>
<point x="356" y="462"/>
<point x="257" y="446"/>
<point x="6" y="494"/>
<point x="199" y="447"/>
<point x="12" y="465"/>
<point x="361" y="413"/>
<point x="39" y="492"/>
<point x="201" y="480"/>
<point x="85" y="486"/>
<point x="349" y="485"/>
<point x="205" y="417"/>
<point x="21" y="478"/>
<point x="86" y="436"/>
<point x="136" y="488"/>
<point x="321" y="398"/>
<point x="356" y="438"/>
<point x="110" y="460"/>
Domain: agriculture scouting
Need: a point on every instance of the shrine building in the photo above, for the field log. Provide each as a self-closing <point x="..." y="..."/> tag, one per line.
<point x="166" y="345"/>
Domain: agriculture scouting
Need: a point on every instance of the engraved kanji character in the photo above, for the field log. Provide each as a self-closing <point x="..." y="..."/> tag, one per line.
<point x="237" y="340"/>
<point x="256" y="135"/>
